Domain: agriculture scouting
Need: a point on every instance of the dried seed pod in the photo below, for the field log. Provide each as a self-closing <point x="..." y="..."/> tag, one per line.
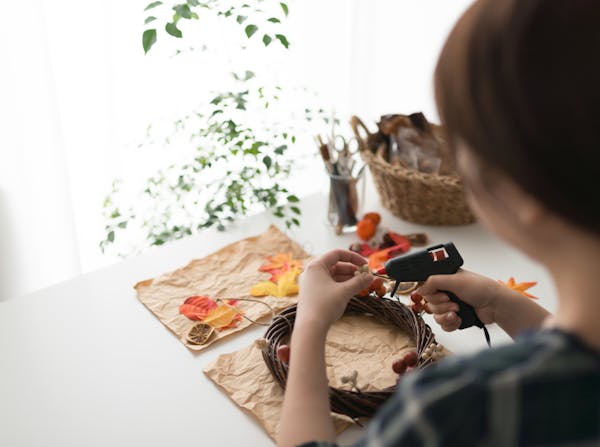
<point x="351" y="379"/>
<point x="363" y="268"/>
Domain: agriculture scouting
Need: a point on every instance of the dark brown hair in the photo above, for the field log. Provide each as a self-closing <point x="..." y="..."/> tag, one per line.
<point x="519" y="82"/>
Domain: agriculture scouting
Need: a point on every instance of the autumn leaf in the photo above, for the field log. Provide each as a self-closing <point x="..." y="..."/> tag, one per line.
<point x="197" y="307"/>
<point x="287" y="285"/>
<point x="520" y="287"/>
<point x="223" y="316"/>
<point x="281" y="262"/>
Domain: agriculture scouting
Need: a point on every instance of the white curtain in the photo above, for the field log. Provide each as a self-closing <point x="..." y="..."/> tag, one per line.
<point x="77" y="93"/>
<point x="37" y="230"/>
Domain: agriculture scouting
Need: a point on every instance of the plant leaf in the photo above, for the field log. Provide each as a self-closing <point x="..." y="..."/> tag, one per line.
<point x="250" y="30"/>
<point x="152" y="5"/>
<point x="183" y="10"/>
<point x="285" y="8"/>
<point x="293" y="198"/>
<point x="287" y="285"/>
<point x="520" y="287"/>
<point x="267" y="40"/>
<point x="274" y="20"/>
<point x="281" y="38"/>
<point x="197" y="307"/>
<point x="148" y="39"/>
<point x="149" y="19"/>
<point x="172" y="29"/>
<point x="241" y="19"/>
<point x="267" y="161"/>
<point x="223" y="317"/>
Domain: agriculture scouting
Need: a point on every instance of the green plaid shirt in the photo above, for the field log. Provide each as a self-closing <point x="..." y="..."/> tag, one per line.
<point x="544" y="390"/>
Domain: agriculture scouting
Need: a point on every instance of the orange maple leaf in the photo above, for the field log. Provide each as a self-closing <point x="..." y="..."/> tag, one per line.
<point x="279" y="264"/>
<point x="520" y="287"/>
<point x="287" y="285"/>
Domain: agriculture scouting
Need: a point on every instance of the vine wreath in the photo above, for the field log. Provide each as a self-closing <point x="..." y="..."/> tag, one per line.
<point x="354" y="403"/>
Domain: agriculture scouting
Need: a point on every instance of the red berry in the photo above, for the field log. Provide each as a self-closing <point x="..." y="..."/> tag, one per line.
<point x="417" y="308"/>
<point x="283" y="353"/>
<point x="411" y="358"/>
<point x="416" y="297"/>
<point x="399" y="366"/>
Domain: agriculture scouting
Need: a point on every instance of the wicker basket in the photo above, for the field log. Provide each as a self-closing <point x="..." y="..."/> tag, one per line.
<point x="418" y="197"/>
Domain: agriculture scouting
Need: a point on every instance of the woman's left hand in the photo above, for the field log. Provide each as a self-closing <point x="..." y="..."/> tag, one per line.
<point x="326" y="286"/>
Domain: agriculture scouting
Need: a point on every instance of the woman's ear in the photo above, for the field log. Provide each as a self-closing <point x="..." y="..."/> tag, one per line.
<point x="526" y="209"/>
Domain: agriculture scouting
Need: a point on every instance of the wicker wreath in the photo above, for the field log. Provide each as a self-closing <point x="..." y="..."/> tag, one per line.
<point x="357" y="403"/>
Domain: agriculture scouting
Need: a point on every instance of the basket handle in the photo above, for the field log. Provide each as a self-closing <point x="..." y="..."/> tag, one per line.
<point x="359" y="128"/>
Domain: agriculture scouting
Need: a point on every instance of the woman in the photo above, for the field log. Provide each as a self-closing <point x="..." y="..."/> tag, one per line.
<point x="517" y="86"/>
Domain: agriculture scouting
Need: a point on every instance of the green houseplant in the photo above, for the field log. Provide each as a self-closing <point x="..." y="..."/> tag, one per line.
<point x="234" y="164"/>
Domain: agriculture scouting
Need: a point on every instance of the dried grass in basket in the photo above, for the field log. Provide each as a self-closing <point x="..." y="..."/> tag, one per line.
<point x="354" y="404"/>
<point x="418" y="197"/>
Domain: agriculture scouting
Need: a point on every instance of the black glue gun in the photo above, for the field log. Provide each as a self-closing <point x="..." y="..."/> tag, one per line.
<point x="437" y="260"/>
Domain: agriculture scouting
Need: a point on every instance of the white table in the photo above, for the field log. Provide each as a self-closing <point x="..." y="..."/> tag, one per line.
<point x="84" y="363"/>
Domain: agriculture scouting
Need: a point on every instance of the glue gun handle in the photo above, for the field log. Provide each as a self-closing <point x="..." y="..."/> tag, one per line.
<point x="466" y="312"/>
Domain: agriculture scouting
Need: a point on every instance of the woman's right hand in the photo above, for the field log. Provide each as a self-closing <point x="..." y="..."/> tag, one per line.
<point x="481" y="292"/>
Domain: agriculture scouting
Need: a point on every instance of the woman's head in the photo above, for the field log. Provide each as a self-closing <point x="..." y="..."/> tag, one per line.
<point x="518" y="88"/>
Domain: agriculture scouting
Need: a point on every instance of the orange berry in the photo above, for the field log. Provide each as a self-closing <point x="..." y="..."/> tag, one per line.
<point x="376" y="284"/>
<point x="363" y="293"/>
<point x="374" y="217"/>
<point x="365" y="229"/>
<point x="381" y="291"/>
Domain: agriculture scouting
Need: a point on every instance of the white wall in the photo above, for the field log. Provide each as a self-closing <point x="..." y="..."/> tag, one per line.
<point x="85" y="93"/>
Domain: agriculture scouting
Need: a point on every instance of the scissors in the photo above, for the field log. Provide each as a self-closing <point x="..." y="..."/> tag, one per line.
<point x="346" y="148"/>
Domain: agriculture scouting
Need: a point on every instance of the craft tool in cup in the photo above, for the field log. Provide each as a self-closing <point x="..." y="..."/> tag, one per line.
<point x="437" y="260"/>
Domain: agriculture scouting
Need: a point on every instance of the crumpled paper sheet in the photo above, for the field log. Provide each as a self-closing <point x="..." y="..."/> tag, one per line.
<point x="353" y="343"/>
<point x="228" y="273"/>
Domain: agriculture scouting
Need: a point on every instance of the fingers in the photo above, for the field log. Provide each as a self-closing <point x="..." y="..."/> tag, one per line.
<point x="449" y="321"/>
<point x="435" y="283"/>
<point x="436" y="298"/>
<point x="358" y="283"/>
<point x="335" y="256"/>
<point x="443" y="308"/>
<point x="343" y="268"/>
<point x="342" y="278"/>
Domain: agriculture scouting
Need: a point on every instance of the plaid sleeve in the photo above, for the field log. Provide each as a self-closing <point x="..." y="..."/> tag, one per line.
<point x="437" y="406"/>
<point x="512" y="395"/>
